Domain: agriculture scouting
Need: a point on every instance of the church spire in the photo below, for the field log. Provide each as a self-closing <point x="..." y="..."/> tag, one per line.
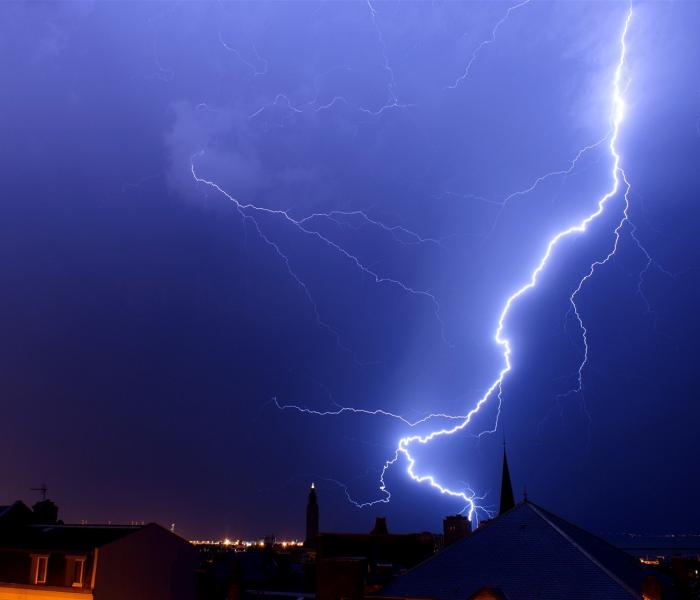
<point x="507" y="498"/>
<point x="311" y="518"/>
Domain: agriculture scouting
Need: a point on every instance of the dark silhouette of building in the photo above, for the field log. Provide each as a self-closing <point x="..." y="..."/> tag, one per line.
<point x="528" y="552"/>
<point x="40" y="557"/>
<point x="45" y="511"/>
<point x="380" y="527"/>
<point x="507" y="498"/>
<point x="15" y="514"/>
<point x="455" y="528"/>
<point x="348" y="563"/>
<point x="311" y="519"/>
<point x="341" y="578"/>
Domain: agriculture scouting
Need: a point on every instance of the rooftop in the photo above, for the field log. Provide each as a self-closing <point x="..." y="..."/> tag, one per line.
<point x="527" y="553"/>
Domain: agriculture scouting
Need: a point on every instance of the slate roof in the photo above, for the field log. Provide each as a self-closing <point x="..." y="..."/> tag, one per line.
<point x="528" y="554"/>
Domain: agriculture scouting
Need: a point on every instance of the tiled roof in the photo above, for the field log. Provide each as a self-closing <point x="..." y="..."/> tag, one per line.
<point x="528" y="554"/>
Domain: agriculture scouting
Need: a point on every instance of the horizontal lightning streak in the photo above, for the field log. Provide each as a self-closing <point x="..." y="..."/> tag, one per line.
<point x="392" y="229"/>
<point x="341" y="410"/>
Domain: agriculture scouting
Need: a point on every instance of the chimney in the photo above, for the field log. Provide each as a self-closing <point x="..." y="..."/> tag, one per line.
<point x="45" y="512"/>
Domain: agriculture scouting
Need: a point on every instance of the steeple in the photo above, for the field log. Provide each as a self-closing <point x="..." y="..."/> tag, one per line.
<point x="507" y="499"/>
<point x="311" y="518"/>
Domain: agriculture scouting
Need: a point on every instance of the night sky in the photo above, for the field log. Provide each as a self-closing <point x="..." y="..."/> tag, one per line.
<point x="148" y="323"/>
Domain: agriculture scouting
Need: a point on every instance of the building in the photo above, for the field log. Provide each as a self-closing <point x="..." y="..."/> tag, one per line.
<point x="350" y="565"/>
<point x="455" y="528"/>
<point x="53" y="561"/>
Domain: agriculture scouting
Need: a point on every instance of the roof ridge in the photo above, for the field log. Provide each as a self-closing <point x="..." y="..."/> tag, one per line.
<point x="598" y="537"/>
<point x="541" y="513"/>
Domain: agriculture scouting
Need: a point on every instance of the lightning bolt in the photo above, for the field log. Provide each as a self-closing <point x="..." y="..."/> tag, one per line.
<point x="649" y="263"/>
<point x="573" y="163"/>
<point x="247" y="210"/>
<point x="254" y="68"/>
<point x="505" y="202"/>
<point x="483" y="44"/>
<point x="618" y="181"/>
<point x="393" y="101"/>
<point x="282" y="99"/>
<point x="378" y="412"/>
<point x="394" y="230"/>
<point x="595" y="266"/>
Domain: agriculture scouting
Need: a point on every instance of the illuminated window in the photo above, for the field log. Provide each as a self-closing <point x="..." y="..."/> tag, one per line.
<point x="75" y="570"/>
<point x="40" y="568"/>
<point x="78" y="572"/>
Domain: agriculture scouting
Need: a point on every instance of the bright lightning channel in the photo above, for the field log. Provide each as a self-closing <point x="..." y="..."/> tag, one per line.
<point x="505" y="202"/>
<point x="619" y="179"/>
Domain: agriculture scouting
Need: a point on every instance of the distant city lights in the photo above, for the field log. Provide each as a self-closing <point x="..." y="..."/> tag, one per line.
<point x="243" y="544"/>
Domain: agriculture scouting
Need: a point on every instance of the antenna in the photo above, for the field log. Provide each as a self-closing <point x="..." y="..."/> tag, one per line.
<point x="43" y="489"/>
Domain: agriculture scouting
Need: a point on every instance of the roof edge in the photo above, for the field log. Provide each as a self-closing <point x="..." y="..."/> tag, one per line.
<point x="541" y="513"/>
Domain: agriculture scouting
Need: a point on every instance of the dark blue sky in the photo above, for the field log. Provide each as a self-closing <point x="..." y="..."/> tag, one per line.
<point x="147" y="323"/>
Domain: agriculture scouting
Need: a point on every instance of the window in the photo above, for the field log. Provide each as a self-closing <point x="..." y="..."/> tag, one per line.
<point x="78" y="572"/>
<point x="40" y="568"/>
<point x="75" y="570"/>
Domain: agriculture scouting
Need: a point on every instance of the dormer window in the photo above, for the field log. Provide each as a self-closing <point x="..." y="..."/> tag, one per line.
<point x="40" y="568"/>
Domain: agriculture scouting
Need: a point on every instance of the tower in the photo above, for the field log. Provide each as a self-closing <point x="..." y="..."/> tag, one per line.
<point x="311" y="518"/>
<point x="507" y="499"/>
<point x="380" y="527"/>
<point x="455" y="528"/>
